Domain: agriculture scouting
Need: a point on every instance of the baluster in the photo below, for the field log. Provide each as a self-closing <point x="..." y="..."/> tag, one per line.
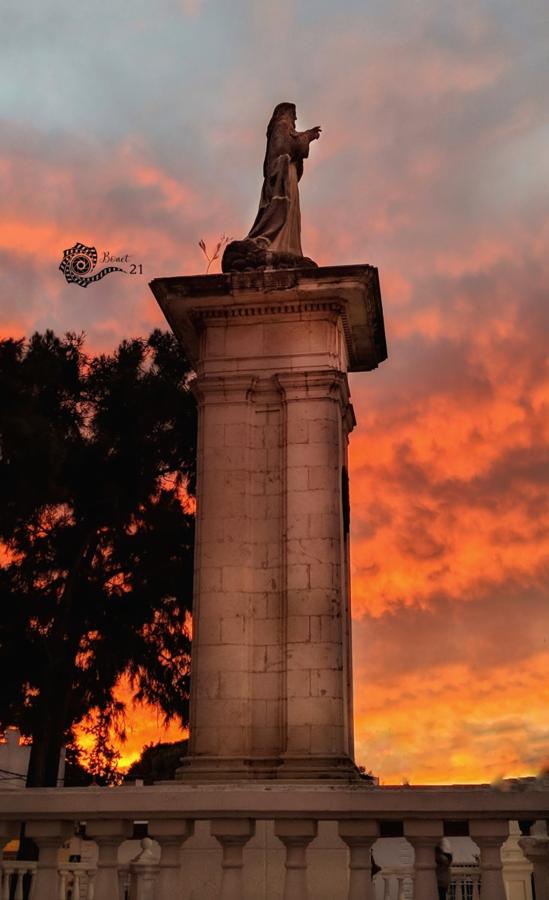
<point x="49" y="836"/>
<point x="232" y="834"/>
<point x="400" y="887"/>
<point x="424" y="835"/>
<point x="171" y="834"/>
<point x="476" y="886"/>
<point x="359" y="835"/>
<point x="76" y="885"/>
<point x="109" y="834"/>
<point x="90" y="875"/>
<point x="63" y="877"/>
<point x="19" y="885"/>
<point x="296" y="835"/>
<point x="31" y="871"/>
<point x="458" y="895"/>
<point x="489" y="835"/>
<point x="386" y="886"/>
<point x="7" y="873"/>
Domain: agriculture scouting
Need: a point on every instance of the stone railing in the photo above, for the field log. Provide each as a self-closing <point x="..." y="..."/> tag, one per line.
<point x="17" y="878"/>
<point x="395" y="883"/>
<point x="465" y="884"/>
<point x="262" y="842"/>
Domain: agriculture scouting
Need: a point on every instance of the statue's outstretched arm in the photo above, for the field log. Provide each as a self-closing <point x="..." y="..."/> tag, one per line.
<point x="304" y="138"/>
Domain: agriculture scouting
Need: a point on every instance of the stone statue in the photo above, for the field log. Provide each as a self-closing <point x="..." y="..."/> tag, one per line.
<point x="274" y="240"/>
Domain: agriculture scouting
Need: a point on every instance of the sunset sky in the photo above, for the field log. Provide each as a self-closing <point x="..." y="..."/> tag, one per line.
<point x="139" y="128"/>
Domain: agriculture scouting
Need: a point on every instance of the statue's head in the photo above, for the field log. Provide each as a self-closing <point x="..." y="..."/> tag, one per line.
<point x="282" y="111"/>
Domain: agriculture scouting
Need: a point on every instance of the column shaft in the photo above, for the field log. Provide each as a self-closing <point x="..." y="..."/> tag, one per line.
<point x="232" y="834"/>
<point x="424" y="834"/>
<point x="317" y="604"/>
<point x="490" y="835"/>
<point x="296" y="835"/>
<point x="359" y="837"/>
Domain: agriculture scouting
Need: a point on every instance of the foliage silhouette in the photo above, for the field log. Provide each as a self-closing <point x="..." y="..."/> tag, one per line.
<point x="97" y="458"/>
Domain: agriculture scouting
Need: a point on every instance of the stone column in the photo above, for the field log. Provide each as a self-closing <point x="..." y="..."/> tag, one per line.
<point x="360" y="835"/>
<point x="271" y="691"/>
<point x="108" y="834"/>
<point x="296" y="835"/>
<point x="317" y="654"/>
<point x="223" y="603"/>
<point x="233" y="835"/>
<point x="49" y="836"/>
<point x="424" y="835"/>
<point x="536" y="850"/>
<point x="489" y="835"/>
<point x="171" y="834"/>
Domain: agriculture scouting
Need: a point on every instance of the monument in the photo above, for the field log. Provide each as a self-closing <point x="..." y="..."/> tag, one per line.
<point x="272" y="340"/>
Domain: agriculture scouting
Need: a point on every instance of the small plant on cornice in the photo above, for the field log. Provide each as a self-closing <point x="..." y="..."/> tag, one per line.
<point x="221" y="244"/>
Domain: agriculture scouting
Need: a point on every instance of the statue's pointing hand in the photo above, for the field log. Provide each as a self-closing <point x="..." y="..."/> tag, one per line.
<point x="314" y="133"/>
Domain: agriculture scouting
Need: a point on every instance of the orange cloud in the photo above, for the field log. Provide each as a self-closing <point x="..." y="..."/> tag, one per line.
<point x="453" y="724"/>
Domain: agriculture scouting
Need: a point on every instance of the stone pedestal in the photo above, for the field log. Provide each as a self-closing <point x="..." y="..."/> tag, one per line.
<point x="271" y="680"/>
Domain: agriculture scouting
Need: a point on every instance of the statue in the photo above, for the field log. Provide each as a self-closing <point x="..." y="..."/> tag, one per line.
<point x="274" y="240"/>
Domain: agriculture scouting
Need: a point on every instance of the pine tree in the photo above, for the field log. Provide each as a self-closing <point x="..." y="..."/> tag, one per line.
<point x="97" y="457"/>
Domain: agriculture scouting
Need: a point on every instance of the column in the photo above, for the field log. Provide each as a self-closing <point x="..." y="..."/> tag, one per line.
<point x="49" y="836"/>
<point x="171" y="834"/>
<point x="318" y="720"/>
<point x="233" y="835"/>
<point x="360" y="836"/>
<point x="536" y="850"/>
<point x="296" y="835"/>
<point x="490" y="835"/>
<point x="108" y="834"/>
<point x="424" y="835"/>
<point x="223" y="612"/>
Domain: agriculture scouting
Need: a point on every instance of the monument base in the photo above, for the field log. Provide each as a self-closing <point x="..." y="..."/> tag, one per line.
<point x="325" y="769"/>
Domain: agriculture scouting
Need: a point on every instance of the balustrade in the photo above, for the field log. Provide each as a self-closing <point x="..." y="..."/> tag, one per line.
<point x="397" y="882"/>
<point x="17" y="877"/>
<point x="465" y="882"/>
<point x="158" y="871"/>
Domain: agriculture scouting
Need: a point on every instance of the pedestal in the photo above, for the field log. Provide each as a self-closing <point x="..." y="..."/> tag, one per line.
<point x="271" y="693"/>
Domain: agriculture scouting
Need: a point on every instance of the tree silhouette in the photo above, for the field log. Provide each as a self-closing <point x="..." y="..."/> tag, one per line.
<point x="97" y="456"/>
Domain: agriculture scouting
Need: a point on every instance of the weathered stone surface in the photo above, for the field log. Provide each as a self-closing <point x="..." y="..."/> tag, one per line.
<point x="271" y="667"/>
<point x="256" y="253"/>
<point x="274" y="240"/>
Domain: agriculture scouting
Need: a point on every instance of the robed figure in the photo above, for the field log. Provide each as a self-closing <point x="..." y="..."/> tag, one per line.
<point x="275" y="237"/>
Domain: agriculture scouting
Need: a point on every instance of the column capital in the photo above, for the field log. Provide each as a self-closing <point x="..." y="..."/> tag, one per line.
<point x="232" y="831"/>
<point x="297" y="832"/>
<point x="489" y="832"/>
<point x="230" y="388"/>
<point x="322" y="384"/>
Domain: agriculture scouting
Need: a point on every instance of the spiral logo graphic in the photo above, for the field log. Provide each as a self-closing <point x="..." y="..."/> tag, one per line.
<point x="79" y="262"/>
